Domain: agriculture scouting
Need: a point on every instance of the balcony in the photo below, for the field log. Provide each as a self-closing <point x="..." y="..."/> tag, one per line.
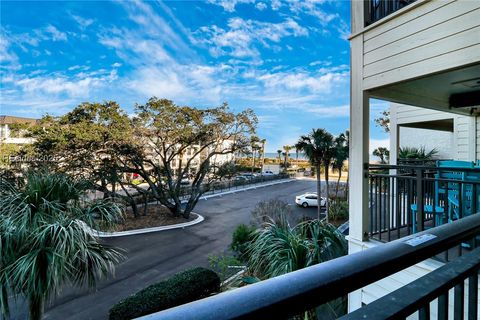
<point x="405" y="199"/>
<point x="450" y="290"/>
<point x="376" y="10"/>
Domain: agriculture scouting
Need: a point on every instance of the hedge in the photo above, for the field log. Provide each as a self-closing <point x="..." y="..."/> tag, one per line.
<point x="184" y="287"/>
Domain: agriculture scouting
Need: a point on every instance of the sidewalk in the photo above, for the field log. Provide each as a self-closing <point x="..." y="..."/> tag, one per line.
<point x="212" y="194"/>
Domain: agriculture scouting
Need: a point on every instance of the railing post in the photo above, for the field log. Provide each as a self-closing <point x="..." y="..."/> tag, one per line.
<point x="419" y="218"/>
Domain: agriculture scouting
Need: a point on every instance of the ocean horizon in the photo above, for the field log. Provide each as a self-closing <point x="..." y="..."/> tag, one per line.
<point x="292" y="155"/>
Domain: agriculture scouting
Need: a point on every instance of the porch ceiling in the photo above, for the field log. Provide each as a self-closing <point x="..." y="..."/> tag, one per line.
<point x="441" y="125"/>
<point x="438" y="91"/>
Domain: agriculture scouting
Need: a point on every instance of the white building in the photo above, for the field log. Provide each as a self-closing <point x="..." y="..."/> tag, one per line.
<point x="6" y="133"/>
<point x="419" y="53"/>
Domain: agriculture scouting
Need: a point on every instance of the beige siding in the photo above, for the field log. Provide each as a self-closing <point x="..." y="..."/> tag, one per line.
<point x="478" y="137"/>
<point x="410" y="114"/>
<point x="463" y="137"/>
<point x="447" y="34"/>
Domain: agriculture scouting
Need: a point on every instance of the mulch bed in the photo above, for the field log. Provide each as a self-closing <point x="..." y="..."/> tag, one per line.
<point x="156" y="216"/>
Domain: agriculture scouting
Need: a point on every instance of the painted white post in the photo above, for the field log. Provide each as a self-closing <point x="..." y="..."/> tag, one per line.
<point x="359" y="147"/>
<point x="359" y="139"/>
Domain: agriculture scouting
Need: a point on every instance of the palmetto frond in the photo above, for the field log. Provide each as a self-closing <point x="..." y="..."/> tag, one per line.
<point x="44" y="241"/>
<point x="278" y="249"/>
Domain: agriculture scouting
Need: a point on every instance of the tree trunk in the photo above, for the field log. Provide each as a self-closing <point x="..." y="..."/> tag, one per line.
<point x="319" y="191"/>
<point x="253" y="161"/>
<point x="134" y="208"/>
<point x="145" y="204"/>
<point x="35" y="307"/>
<point x="338" y="183"/>
<point x="327" y="189"/>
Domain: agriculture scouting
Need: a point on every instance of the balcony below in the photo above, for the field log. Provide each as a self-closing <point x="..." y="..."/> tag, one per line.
<point x="421" y="53"/>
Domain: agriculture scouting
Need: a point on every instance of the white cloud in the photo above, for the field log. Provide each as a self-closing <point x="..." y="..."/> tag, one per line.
<point x="315" y="83"/>
<point x="52" y="33"/>
<point x="242" y="37"/>
<point x="82" y="22"/>
<point x="116" y="65"/>
<point x="229" y="5"/>
<point x="6" y="55"/>
<point x="261" y="6"/>
<point x="329" y="112"/>
<point x="55" y="84"/>
<point x="276" y="4"/>
<point x="320" y="62"/>
<point x="312" y="8"/>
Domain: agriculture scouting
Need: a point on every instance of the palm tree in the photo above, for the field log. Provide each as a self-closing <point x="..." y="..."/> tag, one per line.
<point x="340" y="145"/>
<point x="278" y="249"/>
<point x="279" y="155"/>
<point x="318" y="148"/>
<point x="254" y="140"/>
<point x="263" y="142"/>
<point x="382" y="153"/>
<point x="287" y="149"/>
<point x="44" y="239"/>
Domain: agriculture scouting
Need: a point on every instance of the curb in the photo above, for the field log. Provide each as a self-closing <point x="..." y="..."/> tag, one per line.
<point x="102" y="234"/>
<point x="246" y="189"/>
<point x="199" y="218"/>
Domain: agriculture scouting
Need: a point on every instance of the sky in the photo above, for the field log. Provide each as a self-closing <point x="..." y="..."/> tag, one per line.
<point x="287" y="60"/>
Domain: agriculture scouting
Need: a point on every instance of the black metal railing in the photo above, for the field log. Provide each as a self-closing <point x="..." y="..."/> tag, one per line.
<point x="293" y="293"/>
<point x="417" y="296"/>
<point x="408" y="199"/>
<point x="233" y="184"/>
<point x="378" y="9"/>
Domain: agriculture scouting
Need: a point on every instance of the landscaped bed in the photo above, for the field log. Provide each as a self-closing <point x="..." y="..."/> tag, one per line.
<point x="156" y="215"/>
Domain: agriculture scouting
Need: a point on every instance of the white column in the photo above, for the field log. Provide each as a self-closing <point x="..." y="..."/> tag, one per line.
<point x="359" y="144"/>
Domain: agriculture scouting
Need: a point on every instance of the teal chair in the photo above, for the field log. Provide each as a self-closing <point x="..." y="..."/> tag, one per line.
<point x="458" y="192"/>
<point x="451" y="192"/>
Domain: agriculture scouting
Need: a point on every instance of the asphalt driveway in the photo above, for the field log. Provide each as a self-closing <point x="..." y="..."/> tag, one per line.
<point x="153" y="257"/>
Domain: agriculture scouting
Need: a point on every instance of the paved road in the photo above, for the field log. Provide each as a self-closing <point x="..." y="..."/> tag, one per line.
<point x="155" y="256"/>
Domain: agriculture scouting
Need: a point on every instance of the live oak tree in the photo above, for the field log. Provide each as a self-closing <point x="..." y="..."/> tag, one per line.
<point x="383" y="120"/>
<point x="171" y="140"/>
<point x="85" y="143"/>
<point x="162" y="144"/>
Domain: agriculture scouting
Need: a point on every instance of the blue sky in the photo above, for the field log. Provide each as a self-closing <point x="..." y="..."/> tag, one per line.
<point x="288" y="60"/>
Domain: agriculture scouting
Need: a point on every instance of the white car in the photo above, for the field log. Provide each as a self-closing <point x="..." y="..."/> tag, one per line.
<point x="309" y="200"/>
<point x="268" y="173"/>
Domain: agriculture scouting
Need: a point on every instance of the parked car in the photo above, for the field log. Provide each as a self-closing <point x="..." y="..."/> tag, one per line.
<point x="309" y="200"/>
<point x="241" y="178"/>
<point x="248" y="175"/>
<point x="268" y="173"/>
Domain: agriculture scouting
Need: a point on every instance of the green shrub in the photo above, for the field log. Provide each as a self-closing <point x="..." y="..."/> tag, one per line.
<point x="272" y="210"/>
<point x="183" y="287"/>
<point x="224" y="265"/>
<point x="338" y="210"/>
<point x="241" y="237"/>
